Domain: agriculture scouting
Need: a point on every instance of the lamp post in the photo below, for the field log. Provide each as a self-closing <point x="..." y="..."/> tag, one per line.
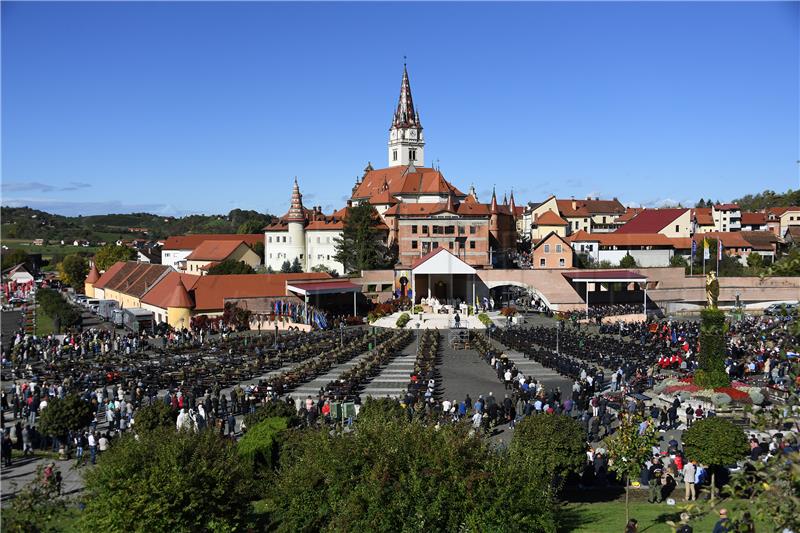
<point x="341" y="334"/>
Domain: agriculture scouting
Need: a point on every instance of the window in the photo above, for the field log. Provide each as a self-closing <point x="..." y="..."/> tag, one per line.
<point x="450" y="245"/>
<point x="473" y="230"/>
<point x="471" y="245"/>
<point x="437" y="230"/>
<point x="542" y="262"/>
<point x="604" y="220"/>
<point x="412" y="155"/>
<point x="449" y="230"/>
<point x="414" y="229"/>
<point x="269" y="239"/>
<point x="559" y="249"/>
<point x="270" y="256"/>
<point x="435" y="245"/>
<point x="461" y="230"/>
<point x="561" y="262"/>
<point x="547" y="248"/>
<point x="413" y="245"/>
<point x="425" y="230"/>
<point x="301" y="256"/>
<point x="284" y="238"/>
<point x="318" y="240"/>
<point x="394" y="155"/>
<point x="677" y="228"/>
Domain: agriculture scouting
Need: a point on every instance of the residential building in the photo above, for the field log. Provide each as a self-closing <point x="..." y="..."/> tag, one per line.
<point x="670" y="222"/>
<point x="648" y="249"/>
<point x="727" y="217"/>
<point x="211" y="253"/>
<point x="546" y="223"/>
<point x="592" y="215"/>
<point x="756" y="221"/>
<point x="552" y="251"/>
<point x="175" y="249"/>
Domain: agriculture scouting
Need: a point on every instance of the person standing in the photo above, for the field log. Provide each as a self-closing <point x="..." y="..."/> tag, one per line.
<point x="92" y="447"/>
<point x="689" y="473"/>
<point x="655" y="472"/>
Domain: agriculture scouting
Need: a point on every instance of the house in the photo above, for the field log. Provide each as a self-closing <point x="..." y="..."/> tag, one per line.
<point x="175" y="249"/>
<point x="591" y="215"/>
<point x="702" y="220"/>
<point x="734" y="243"/>
<point x="128" y="281"/>
<point x="727" y="217"/>
<point x="781" y="218"/>
<point x="670" y="222"/>
<point x="552" y="251"/>
<point x="754" y="221"/>
<point x="546" y="223"/>
<point x="18" y="274"/>
<point x="218" y="251"/>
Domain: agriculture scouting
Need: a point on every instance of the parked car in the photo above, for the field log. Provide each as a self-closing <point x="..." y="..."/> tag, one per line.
<point x="780" y="309"/>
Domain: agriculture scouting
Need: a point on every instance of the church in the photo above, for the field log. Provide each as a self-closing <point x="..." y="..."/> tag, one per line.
<point x="421" y="211"/>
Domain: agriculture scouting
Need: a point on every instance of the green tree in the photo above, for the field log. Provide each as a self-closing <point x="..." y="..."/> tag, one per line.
<point x="755" y="261"/>
<point x="110" y="254"/>
<point x="628" y="449"/>
<point x="258" y="248"/>
<point x="14" y="257"/>
<point x="165" y="480"/>
<point x="231" y="266"/>
<point x="323" y="268"/>
<point x="552" y="446"/>
<point x="252" y="225"/>
<point x="286" y="267"/>
<point x="788" y="265"/>
<point x="678" y="260"/>
<point x="273" y="410"/>
<point x="396" y="475"/>
<point x="715" y="442"/>
<point x="627" y="261"/>
<point x="64" y="415"/>
<point x="360" y="246"/>
<point x="154" y="416"/>
<point x="37" y="508"/>
<point x="296" y="266"/>
<point x="73" y="270"/>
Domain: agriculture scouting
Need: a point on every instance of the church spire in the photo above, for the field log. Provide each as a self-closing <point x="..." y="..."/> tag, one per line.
<point x="511" y="203"/>
<point x="296" y="210"/>
<point x="493" y="207"/>
<point x="405" y="116"/>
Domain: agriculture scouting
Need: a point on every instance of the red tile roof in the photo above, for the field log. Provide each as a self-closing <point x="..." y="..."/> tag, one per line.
<point x="703" y="216"/>
<point x="404" y="180"/>
<point x="210" y="292"/>
<point x="108" y="275"/>
<point x="753" y="219"/>
<point x="549" y="218"/>
<point x="132" y="278"/>
<point x="622" y="239"/>
<point x="586" y="208"/>
<point x="215" y="250"/>
<point x="603" y="274"/>
<point x="726" y="207"/>
<point x="94" y="275"/>
<point x="162" y="294"/>
<point x="190" y="242"/>
<point x="629" y="213"/>
<point x="651" y="221"/>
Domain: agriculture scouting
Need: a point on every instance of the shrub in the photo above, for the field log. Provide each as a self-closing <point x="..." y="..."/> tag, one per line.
<point x="485" y="320"/>
<point x="64" y="415"/>
<point x="259" y="444"/>
<point x="166" y="480"/>
<point x="274" y="409"/>
<point x="715" y="441"/>
<point x="712" y="350"/>
<point x="417" y="309"/>
<point x="154" y="416"/>
<point x="403" y="320"/>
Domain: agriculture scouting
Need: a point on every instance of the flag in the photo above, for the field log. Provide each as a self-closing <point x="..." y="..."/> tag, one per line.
<point x="719" y="249"/>
<point x="694" y="248"/>
<point x="706" y="251"/>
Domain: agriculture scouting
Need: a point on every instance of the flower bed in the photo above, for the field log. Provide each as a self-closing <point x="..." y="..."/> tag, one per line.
<point x="737" y="392"/>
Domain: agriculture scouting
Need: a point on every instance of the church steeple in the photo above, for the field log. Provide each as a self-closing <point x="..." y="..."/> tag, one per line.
<point x="406" y="141"/>
<point x="493" y="206"/>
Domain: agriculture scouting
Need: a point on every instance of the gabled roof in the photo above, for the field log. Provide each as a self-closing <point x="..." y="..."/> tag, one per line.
<point x="210" y="292"/>
<point x="549" y="218"/>
<point x="651" y="220"/>
<point x="190" y="242"/>
<point x="94" y="275"/>
<point x="726" y="207"/>
<point x="215" y="250"/>
<point x="16" y="268"/>
<point x="756" y="240"/>
<point x="548" y="236"/>
<point x="703" y="216"/>
<point x="629" y="213"/>
<point x="162" y="294"/>
<point x="589" y="207"/>
<point x="440" y="261"/>
<point x="132" y="278"/>
<point x="622" y="239"/>
<point x="109" y="274"/>
<point x="404" y="180"/>
<point x="753" y="219"/>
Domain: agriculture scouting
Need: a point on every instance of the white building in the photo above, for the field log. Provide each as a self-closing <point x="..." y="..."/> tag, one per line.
<point x="406" y="141"/>
<point x="305" y="234"/>
<point x="727" y="217"/>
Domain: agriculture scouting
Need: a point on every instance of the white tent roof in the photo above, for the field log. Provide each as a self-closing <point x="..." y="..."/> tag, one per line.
<point x="442" y="262"/>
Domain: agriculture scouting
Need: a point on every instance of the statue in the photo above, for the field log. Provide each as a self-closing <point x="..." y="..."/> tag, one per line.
<point x="712" y="289"/>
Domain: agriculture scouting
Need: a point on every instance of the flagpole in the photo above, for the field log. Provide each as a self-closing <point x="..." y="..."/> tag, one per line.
<point x="719" y="249"/>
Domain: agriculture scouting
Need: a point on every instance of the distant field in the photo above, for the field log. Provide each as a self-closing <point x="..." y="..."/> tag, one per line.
<point x="49" y="249"/>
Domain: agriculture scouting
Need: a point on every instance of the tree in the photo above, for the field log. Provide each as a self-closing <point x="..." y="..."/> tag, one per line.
<point x="258" y="247"/>
<point x="73" y="270"/>
<point x="323" y="268"/>
<point x="14" y="257"/>
<point x="701" y="203"/>
<point x="64" y="415"/>
<point x="715" y="442"/>
<point x="252" y="225"/>
<point x="393" y="474"/>
<point x="154" y="416"/>
<point x="37" y="508"/>
<point x="286" y="267"/>
<point x="627" y="261"/>
<point x="552" y="446"/>
<point x="628" y="449"/>
<point x="788" y="265"/>
<point x="231" y="266"/>
<point x="296" y="266"/>
<point x="235" y="316"/>
<point x="755" y="260"/>
<point x="678" y="260"/>
<point x="360" y="246"/>
<point x="110" y="254"/>
<point x="273" y="410"/>
<point x="165" y="480"/>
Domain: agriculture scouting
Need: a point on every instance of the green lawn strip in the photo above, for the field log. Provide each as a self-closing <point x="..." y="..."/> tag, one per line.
<point x="609" y="517"/>
<point x="44" y="324"/>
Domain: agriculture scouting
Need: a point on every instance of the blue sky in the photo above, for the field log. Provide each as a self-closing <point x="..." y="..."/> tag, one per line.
<point x="202" y="107"/>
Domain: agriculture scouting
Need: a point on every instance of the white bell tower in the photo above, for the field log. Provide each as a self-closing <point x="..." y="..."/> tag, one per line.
<point x="406" y="141"/>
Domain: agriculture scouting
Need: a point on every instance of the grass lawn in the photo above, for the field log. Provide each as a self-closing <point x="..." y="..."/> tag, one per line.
<point x="609" y="517"/>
